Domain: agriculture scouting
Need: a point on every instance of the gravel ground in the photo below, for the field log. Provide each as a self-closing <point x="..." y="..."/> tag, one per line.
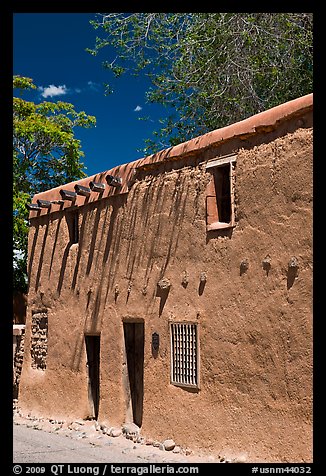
<point x="38" y="440"/>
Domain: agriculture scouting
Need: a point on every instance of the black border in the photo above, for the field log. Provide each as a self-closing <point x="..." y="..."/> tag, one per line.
<point x="6" y="29"/>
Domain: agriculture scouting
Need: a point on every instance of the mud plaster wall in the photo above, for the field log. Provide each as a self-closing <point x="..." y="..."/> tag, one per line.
<point x="254" y="321"/>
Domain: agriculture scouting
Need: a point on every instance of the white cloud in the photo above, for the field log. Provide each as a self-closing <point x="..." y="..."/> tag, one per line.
<point x="138" y="108"/>
<point x="52" y="90"/>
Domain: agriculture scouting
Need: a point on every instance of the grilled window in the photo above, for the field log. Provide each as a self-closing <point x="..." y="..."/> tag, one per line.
<point x="184" y="354"/>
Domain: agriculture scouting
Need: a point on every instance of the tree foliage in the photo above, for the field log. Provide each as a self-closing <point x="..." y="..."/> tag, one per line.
<point x="46" y="154"/>
<point x="211" y="69"/>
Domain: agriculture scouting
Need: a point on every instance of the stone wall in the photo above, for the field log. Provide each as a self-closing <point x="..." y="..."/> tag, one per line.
<point x="39" y="340"/>
<point x="18" y="355"/>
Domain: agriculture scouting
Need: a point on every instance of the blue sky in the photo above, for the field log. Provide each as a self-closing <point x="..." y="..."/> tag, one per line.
<point x="50" y="48"/>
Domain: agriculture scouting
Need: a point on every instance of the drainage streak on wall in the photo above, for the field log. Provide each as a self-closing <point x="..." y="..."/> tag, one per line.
<point x="39" y="340"/>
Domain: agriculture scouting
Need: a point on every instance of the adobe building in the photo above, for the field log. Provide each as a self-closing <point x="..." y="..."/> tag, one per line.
<point x="175" y="292"/>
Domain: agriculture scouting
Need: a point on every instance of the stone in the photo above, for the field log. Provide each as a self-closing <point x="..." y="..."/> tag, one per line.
<point x="18" y="420"/>
<point x="164" y="284"/>
<point x="244" y="265"/>
<point x="168" y="445"/>
<point x="293" y="263"/>
<point x="91" y="433"/>
<point x="176" y="449"/>
<point x="266" y="263"/>
<point x="63" y="431"/>
<point x="115" y="432"/>
<point x="90" y="423"/>
<point x="95" y="442"/>
<point x="130" y="429"/>
<point x="239" y="459"/>
<point x="97" y="426"/>
<point x="116" y="290"/>
<point x="74" y="426"/>
<point x="38" y="426"/>
<point x="79" y="422"/>
<point x="185" y="279"/>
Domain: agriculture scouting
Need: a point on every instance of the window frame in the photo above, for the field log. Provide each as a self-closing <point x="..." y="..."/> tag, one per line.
<point x="173" y="381"/>
<point x="212" y="221"/>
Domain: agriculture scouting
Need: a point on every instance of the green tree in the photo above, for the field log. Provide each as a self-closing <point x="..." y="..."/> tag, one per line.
<point x="46" y="154"/>
<point x="211" y="69"/>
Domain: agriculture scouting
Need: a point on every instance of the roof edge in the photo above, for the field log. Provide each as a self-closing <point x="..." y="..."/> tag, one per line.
<point x="261" y="122"/>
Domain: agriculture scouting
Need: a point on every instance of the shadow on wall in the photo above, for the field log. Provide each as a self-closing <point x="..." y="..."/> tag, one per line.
<point x="150" y="228"/>
<point x="162" y="291"/>
<point x="292" y="272"/>
<point x="154" y="229"/>
<point x="78" y="353"/>
<point x="43" y="221"/>
<point x="32" y="253"/>
<point x="146" y="236"/>
<point x="65" y="252"/>
<point x="80" y="250"/>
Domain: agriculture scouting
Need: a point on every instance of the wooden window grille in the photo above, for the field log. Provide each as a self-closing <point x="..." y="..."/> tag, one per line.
<point x="184" y="354"/>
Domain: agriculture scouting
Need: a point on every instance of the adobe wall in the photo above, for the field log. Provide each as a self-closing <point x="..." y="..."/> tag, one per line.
<point x="254" y="311"/>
